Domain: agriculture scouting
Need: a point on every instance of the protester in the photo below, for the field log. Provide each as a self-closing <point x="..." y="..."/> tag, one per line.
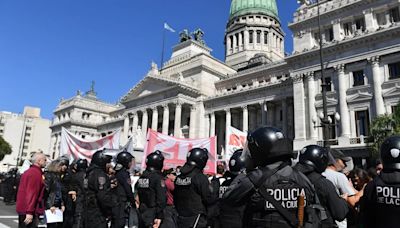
<point x="53" y="192"/>
<point x="378" y="166"/>
<point x="30" y="193"/>
<point x="170" y="211"/>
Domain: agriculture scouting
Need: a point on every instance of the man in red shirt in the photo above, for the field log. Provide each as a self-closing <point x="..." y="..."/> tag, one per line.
<point x="30" y="193"/>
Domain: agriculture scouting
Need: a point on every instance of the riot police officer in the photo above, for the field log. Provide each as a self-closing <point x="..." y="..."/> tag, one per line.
<point x="126" y="199"/>
<point x="380" y="205"/>
<point x="152" y="191"/>
<point x="271" y="191"/>
<point x="78" y="188"/>
<point x="231" y="217"/>
<point x="313" y="160"/>
<point x="192" y="190"/>
<point x="99" y="198"/>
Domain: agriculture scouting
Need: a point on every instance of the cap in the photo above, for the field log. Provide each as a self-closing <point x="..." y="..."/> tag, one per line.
<point x="337" y="154"/>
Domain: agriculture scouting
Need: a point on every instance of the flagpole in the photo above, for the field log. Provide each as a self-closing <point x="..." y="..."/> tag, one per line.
<point x="163" y="47"/>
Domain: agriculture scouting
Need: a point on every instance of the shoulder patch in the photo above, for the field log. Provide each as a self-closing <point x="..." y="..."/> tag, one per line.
<point x="143" y="183"/>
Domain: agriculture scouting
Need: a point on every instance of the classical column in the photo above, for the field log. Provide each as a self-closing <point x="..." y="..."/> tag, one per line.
<point x="344" y="109"/>
<point x="263" y="112"/>
<point x="192" y="122"/>
<point x="353" y="124"/>
<point x="262" y="40"/>
<point x="271" y="114"/>
<point x="299" y="108"/>
<point x="126" y="128"/>
<point x="154" y="119"/>
<point x="246" y="39"/>
<point x="135" y="121"/>
<point x="178" y="115"/>
<point x="228" y="45"/>
<point x="165" y="119"/>
<point x="207" y="124"/>
<point x="245" y="118"/>
<point x="212" y="124"/>
<point x="311" y="105"/>
<point x="240" y="40"/>
<point x="227" y="124"/>
<point x="145" y="120"/>
<point x="234" y="43"/>
<point x="284" y="117"/>
<point x="377" y="78"/>
<point x="369" y="20"/>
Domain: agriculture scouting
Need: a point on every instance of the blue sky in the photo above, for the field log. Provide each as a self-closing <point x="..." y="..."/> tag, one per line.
<point x="51" y="48"/>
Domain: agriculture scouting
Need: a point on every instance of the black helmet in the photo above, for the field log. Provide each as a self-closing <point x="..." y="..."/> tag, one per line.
<point x="100" y="158"/>
<point x="124" y="158"/>
<point x="197" y="157"/>
<point x="81" y="164"/>
<point x="390" y="153"/>
<point x="237" y="163"/>
<point x="314" y="156"/>
<point x="268" y="145"/>
<point x="64" y="161"/>
<point x="155" y="160"/>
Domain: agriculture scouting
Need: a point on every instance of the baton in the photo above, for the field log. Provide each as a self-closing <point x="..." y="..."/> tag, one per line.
<point x="197" y="221"/>
<point x="300" y="212"/>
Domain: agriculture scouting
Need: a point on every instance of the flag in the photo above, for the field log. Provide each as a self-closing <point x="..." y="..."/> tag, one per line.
<point x="167" y="27"/>
<point x="236" y="140"/>
<point x="76" y="148"/>
<point x="175" y="149"/>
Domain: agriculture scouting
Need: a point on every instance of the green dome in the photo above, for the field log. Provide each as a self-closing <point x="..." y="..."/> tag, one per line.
<point x="242" y="7"/>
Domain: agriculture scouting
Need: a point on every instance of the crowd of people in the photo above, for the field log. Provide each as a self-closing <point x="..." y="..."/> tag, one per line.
<point x="261" y="187"/>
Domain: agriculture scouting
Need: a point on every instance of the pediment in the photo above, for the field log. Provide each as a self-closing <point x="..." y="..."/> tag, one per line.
<point x="154" y="85"/>
<point x="330" y="101"/>
<point x="392" y="92"/>
<point x="360" y="96"/>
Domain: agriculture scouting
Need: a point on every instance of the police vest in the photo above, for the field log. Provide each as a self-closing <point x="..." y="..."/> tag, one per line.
<point x="388" y="195"/>
<point x="187" y="200"/>
<point x="145" y="189"/>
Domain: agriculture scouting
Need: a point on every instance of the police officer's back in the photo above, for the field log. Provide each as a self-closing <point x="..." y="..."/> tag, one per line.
<point x="78" y="187"/>
<point x="313" y="160"/>
<point x="99" y="198"/>
<point x="231" y="217"/>
<point x="192" y="190"/>
<point x="271" y="153"/>
<point x="152" y="191"/>
<point x="126" y="199"/>
<point x="380" y="205"/>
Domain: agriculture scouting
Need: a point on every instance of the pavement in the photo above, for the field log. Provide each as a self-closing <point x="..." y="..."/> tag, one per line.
<point x="8" y="216"/>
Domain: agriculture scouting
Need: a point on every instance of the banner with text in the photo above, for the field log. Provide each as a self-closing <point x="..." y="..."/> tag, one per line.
<point x="237" y="140"/>
<point x="176" y="149"/>
<point x="76" y="148"/>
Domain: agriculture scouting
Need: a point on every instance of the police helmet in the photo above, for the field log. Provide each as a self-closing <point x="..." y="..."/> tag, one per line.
<point x="390" y="153"/>
<point x="237" y="163"/>
<point x="100" y="158"/>
<point x="64" y="161"/>
<point x="197" y="157"/>
<point x="155" y="160"/>
<point x="81" y="164"/>
<point x="267" y="145"/>
<point x="125" y="158"/>
<point x="314" y="156"/>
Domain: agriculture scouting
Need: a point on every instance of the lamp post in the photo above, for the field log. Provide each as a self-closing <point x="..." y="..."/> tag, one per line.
<point x="326" y="124"/>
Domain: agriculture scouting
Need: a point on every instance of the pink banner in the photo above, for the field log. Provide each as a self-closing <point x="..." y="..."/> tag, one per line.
<point x="176" y="149"/>
<point x="76" y="148"/>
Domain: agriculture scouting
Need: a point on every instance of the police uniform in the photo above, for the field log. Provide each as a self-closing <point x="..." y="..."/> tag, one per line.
<point x="78" y="179"/>
<point x="152" y="195"/>
<point x="126" y="199"/>
<point x="380" y="204"/>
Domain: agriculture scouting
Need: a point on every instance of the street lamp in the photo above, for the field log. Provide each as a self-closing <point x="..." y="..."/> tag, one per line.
<point x="325" y="123"/>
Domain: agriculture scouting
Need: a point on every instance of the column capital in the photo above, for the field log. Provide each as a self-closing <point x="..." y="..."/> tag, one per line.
<point x="227" y="110"/>
<point x="374" y="60"/>
<point x="165" y="106"/>
<point x="297" y="78"/>
<point x="244" y="107"/>
<point x="339" y="67"/>
<point x="125" y="115"/>
<point x="144" y="110"/>
<point x="178" y="103"/>
<point x="193" y="108"/>
<point x="309" y="76"/>
<point x="154" y="108"/>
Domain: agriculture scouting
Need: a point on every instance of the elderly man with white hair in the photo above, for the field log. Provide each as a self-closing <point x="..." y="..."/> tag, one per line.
<point x="30" y="192"/>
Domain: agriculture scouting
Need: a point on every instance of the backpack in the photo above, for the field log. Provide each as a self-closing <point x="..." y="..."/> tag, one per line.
<point x="312" y="213"/>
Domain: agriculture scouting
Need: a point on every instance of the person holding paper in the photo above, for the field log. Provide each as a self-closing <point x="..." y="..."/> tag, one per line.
<point x="53" y="195"/>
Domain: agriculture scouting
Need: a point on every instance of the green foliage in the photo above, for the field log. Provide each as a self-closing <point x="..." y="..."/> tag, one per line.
<point x="5" y="148"/>
<point x="383" y="127"/>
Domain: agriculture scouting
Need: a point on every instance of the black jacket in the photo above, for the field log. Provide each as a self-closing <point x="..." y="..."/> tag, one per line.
<point x="53" y="190"/>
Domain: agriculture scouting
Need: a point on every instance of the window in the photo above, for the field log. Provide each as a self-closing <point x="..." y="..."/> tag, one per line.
<point x="332" y="129"/>
<point x="381" y="19"/>
<point x="394" y="14"/>
<point x="348" y="29"/>
<point x="395" y="108"/>
<point x="83" y="136"/>
<point x="258" y="36"/>
<point x="237" y="39"/>
<point x="242" y="34"/>
<point x="328" y="81"/>
<point x="362" y="123"/>
<point x="358" y="78"/>
<point x="265" y="37"/>
<point x="27" y="135"/>
<point x="231" y="41"/>
<point x="360" y="24"/>
<point x="103" y="134"/>
<point x="316" y="37"/>
<point x="28" y="128"/>
<point x="394" y="70"/>
<point x="250" y="37"/>
<point x="329" y="34"/>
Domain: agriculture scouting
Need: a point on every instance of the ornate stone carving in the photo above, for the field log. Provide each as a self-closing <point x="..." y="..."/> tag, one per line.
<point x="374" y="60"/>
<point x="184" y="35"/>
<point x="339" y="67"/>
<point x="297" y="78"/>
<point x="309" y="76"/>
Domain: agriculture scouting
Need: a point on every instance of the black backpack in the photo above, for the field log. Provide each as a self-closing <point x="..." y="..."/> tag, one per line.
<point x="314" y="213"/>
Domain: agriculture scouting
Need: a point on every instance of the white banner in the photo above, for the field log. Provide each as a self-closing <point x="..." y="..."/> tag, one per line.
<point x="76" y="148"/>
<point x="236" y="140"/>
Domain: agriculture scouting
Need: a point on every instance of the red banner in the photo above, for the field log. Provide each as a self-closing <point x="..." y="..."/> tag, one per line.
<point x="176" y="149"/>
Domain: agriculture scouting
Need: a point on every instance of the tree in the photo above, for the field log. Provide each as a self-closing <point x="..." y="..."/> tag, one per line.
<point x="383" y="127"/>
<point x="5" y="148"/>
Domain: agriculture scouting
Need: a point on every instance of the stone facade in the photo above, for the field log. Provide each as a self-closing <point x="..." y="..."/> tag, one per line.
<point x="194" y="95"/>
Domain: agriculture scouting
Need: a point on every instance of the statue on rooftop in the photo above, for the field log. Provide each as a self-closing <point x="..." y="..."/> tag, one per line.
<point x="198" y="35"/>
<point x="184" y="36"/>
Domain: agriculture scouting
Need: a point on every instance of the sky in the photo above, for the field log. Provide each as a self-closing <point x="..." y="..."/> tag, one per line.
<point x="49" y="49"/>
